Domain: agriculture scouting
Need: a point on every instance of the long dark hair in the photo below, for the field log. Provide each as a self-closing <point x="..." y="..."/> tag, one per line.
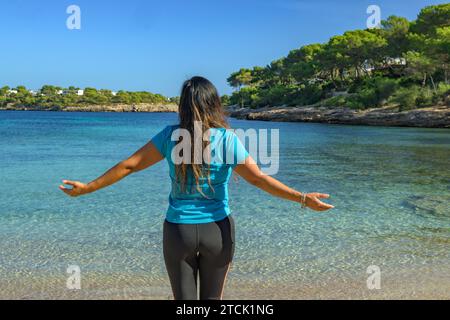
<point x="199" y="101"/>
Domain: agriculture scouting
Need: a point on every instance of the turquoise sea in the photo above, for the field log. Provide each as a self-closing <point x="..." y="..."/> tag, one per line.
<point x="390" y="187"/>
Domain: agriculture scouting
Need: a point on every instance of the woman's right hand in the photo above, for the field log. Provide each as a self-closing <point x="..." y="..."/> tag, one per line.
<point x="78" y="188"/>
<point x="313" y="202"/>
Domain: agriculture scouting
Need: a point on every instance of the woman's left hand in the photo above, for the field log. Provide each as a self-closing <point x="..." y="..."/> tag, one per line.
<point x="313" y="202"/>
<point x="78" y="188"/>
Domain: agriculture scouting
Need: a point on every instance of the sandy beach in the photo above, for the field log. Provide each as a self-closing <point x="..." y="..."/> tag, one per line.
<point x="434" y="283"/>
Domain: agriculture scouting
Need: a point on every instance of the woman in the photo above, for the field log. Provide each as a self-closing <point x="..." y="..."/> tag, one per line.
<point x="198" y="229"/>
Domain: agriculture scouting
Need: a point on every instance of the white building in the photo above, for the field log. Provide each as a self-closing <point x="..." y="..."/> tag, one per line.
<point x="32" y="92"/>
<point x="12" y="91"/>
<point x="367" y="67"/>
<point x="114" y="93"/>
<point x="80" y="92"/>
<point x="396" y="61"/>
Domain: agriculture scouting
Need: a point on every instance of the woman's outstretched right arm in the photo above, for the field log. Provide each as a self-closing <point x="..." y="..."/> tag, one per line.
<point x="253" y="175"/>
<point x="145" y="157"/>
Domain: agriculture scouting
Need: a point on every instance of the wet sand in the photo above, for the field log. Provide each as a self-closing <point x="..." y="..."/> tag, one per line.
<point x="426" y="283"/>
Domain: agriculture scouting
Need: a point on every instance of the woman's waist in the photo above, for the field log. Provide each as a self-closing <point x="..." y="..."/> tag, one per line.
<point x="197" y="201"/>
<point x="202" y="192"/>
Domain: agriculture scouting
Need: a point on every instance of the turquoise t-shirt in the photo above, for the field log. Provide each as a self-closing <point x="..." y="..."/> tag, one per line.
<point x="189" y="206"/>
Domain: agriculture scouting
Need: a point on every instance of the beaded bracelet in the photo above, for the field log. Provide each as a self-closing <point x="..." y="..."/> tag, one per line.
<point x="303" y="200"/>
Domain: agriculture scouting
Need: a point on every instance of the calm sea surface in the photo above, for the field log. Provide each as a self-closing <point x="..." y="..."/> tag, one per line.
<point x="390" y="186"/>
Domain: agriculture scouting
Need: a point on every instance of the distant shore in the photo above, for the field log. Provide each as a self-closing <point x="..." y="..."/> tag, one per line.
<point x="141" y="107"/>
<point x="432" y="117"/>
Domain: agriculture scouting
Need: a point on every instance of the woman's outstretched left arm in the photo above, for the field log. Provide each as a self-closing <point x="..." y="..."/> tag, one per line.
<point x="250" y="171"/>
<point x="145" y="157"/>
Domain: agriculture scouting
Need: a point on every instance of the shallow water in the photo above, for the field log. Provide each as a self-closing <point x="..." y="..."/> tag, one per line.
<point x="390" y="186"/>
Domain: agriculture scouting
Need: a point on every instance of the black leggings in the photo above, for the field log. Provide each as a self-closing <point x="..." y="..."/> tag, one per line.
<point x="205" y="250"/>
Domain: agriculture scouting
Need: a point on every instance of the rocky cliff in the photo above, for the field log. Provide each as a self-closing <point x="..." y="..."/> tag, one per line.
<point x="142" y="107"/>
<point x="434" y="117"/>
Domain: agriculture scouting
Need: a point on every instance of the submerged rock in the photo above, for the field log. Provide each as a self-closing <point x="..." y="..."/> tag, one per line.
<point x="429" y="205"/>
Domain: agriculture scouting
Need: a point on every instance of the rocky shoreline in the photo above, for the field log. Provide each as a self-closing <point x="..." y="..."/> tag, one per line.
<point x="141" y="107"/>
<point x="433" y="117"/>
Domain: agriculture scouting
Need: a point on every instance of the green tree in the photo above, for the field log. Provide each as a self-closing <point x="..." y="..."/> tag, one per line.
<point x="431" y="18"/>
<point x="420" y="66"/>
<point x="122" y="97"/>
<point x="359" y="62"/>
<point x="4" y="91"/>
<point x="356" y="48"/>
<point x="50" y="90"/>
<point x="303" y="63"/>
<point x="239" y="79"/>
<point x="92" y="96"/>
<point x="260" y="76"/>
<point x="225" y="100"/>
<point x="395" y="30"/>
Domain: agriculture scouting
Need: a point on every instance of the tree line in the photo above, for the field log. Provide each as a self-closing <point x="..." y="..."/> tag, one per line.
<point x="51" y="96"/>
<point x="404" y="63"/>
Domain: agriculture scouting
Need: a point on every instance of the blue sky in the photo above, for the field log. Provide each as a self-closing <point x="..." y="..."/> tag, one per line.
<point x="155" y="45"/>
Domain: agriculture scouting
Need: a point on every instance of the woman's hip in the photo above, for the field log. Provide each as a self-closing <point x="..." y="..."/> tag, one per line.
<point x="207" y="239"/>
